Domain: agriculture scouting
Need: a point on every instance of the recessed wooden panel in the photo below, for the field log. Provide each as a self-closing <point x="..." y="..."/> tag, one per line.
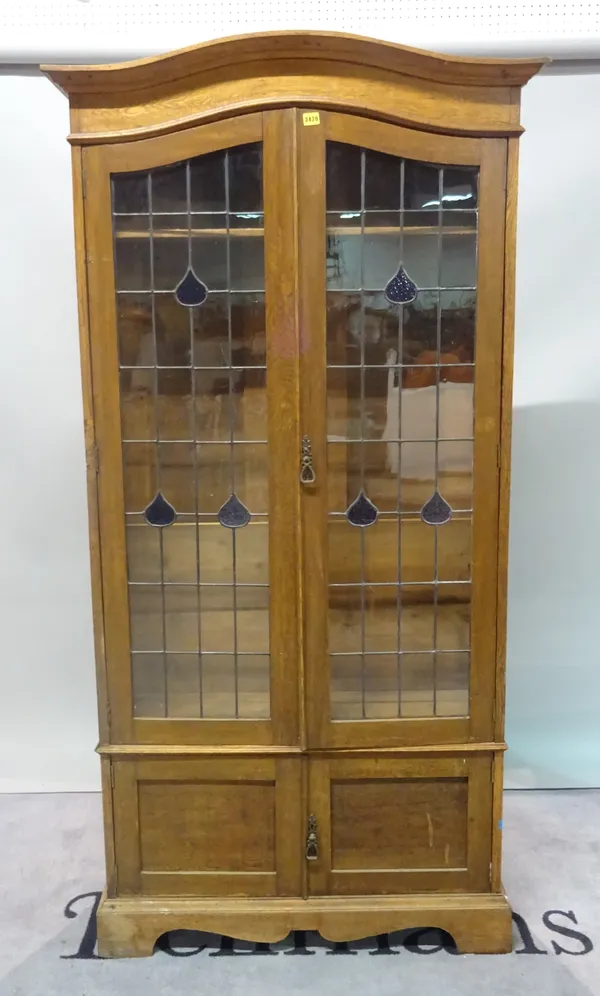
<point x="207" y="827"/>
<point x="388" y="825"/>
<point x="213" y="826"/>
<point x="401" y="824"/>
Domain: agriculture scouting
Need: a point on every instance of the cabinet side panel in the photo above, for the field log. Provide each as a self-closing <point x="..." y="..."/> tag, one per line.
<point x="506" y="428"/>
<point x="90" y="440"/>
<point x="109" y="829"/>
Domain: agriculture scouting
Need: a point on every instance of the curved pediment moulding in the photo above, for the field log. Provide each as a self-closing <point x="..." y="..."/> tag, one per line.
<point x="236" y="75"/>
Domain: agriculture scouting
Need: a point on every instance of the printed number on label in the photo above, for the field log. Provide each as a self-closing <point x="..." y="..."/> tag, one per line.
<point x="311" y="118"/>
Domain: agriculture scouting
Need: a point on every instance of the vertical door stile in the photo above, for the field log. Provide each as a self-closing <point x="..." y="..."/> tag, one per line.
<point x="311" y="209"/>
<point x="281" y="286"/>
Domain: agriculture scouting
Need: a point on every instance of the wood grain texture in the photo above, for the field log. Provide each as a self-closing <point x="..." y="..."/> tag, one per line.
<point x="109" y="825"/>
<point x="238" y="75"/>
<point x="311" y="205"/>
<point x="208" y="826"/>
<point x="90" y="443"/>
<point x="497" y="807"/>
<point x="308" y="45"/>
<point x="216" y="750"/>
<point x="281" y="291"/>
<point x="107" y="422"/>
<point x="388" y="825"/>
<point x="488" y="373"/>
<point x="479" y="924"/>
<point x="510" y="253"/>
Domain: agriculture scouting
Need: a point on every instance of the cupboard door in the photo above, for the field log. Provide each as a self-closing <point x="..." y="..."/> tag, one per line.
<point x="388" y="826"/>
<point x="401" y="314"/>
<point x="193" y="350"/>
<point x="208" y="827"/>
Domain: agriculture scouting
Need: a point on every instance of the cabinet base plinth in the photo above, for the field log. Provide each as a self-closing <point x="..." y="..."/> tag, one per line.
<point x="129" y="927"/>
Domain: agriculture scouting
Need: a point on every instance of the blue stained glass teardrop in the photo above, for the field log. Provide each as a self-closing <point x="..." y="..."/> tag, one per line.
<point x="191" y="291"/>
<point x="362" y="511"/>
<point x="160" y="512"/>
<point x="401" y="289"/>
<point x="233" y="513"/>
<point x="436" y="510"/>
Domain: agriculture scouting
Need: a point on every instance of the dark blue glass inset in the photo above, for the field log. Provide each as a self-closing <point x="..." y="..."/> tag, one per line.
<point x="160" y="512"/>
<point x="436" y="510"/>
<point x="233" y="513"/>
<point x="191" y="291"/>
<point x="401" y="289"/>
<point x="362" y="511"/>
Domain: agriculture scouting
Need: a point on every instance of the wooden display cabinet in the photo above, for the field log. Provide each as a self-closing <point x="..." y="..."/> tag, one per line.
<point x="295" y="272"/>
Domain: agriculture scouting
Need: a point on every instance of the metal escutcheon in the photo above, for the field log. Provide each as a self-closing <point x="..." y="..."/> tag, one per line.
<point x="307" y="471"/>
<point x="312" y="840"/>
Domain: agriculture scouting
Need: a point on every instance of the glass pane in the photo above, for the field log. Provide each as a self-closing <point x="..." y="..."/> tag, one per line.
<point x="343" y="177"/>
<point x="189" y="272"/>
<point x="180" y="554"/>
<point x="252" y="619"/>
<point x="217" y="620"/>
<point x="218" y="686"/>
<point x="460" y="187"/>
<point x="139" y="475"/>
<point x="421" y="186"/>
<point x="134" y="331"/>
<point x="216" y="552"/>
<point x="245" y="178"/>
<point x="181" y="618"/>
<point x="252" y="553"/>
<point x="382" y="181"/>
<point x="453" y="617"/>
<point x="253" y="686"/>
<point x="452" y="684"/>
<point x="381" y="686"/>
<point x="346" y="687"/>
<point x="457" y="326"/>
<point x="417" y="618"/>
<point x="143" y="552"/>
<point x="149" y="686"/>
<point x="130" y="194"/>
<point x="207" y="183"/>
<point x="132" y="264"/>
<point x="183" y="685"/>
<point x="417" y="685"/>
<point x="174" y="404"/>
<point x="456" y="400"/>
<point x="146" y="617"/>
<point x="459" y="260"/>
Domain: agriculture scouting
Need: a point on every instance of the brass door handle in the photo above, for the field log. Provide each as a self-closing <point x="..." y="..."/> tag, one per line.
<point x="312" y="840"/>
<point x="307" y="471"/>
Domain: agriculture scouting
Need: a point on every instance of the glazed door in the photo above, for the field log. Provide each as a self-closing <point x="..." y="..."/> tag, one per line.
<point x="191" y="249"/>
<point x="401" y="267"/>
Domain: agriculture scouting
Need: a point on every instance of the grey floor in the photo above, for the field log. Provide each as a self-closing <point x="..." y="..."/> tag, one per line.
<point x="51" y="852"/>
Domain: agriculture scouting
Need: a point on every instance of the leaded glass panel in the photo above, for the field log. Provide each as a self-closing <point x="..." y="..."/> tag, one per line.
<point x="189" y="277"/>
<point x="401" y="258"/>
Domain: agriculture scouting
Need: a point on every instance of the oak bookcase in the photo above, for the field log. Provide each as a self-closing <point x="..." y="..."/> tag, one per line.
<point x="295" y="257"/>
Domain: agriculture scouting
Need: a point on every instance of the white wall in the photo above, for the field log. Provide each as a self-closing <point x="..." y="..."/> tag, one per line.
<point x="48" y="727"/>
<point x="47" y="709"/>
<point x="553" y="707"/>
